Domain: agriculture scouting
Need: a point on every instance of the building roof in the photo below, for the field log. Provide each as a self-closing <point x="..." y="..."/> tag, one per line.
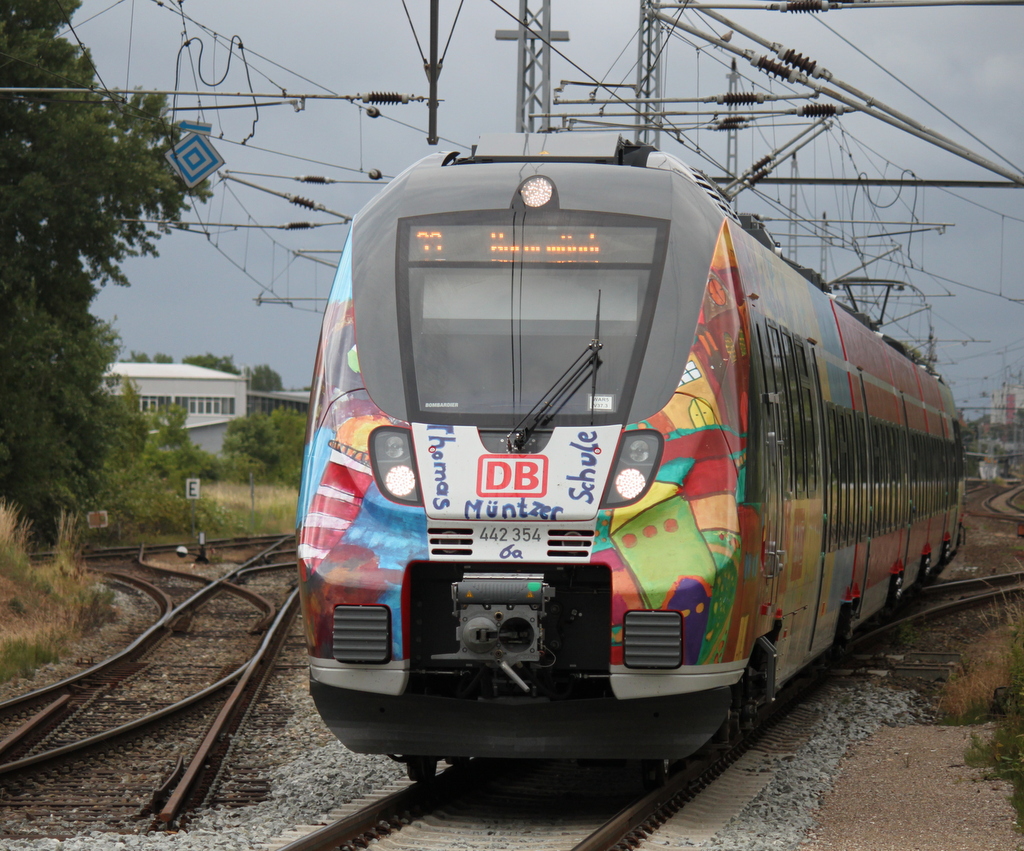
<point x="169" y="370"/>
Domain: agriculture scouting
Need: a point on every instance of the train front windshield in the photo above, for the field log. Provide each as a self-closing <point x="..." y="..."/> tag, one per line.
<point x="497" y="306"/>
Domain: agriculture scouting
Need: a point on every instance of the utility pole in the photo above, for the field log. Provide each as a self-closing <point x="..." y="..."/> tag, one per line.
<point x="794" y="197"/>
<point x="533" y="69"/>
<point x="648" y="76"/>
<point x="732" y="137"/>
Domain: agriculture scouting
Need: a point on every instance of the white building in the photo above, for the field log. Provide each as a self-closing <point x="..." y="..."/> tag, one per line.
<point x="211" y="398"/>
<point x="1006" y="401"/>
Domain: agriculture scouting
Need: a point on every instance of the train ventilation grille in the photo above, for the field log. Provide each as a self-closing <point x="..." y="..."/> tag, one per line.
<point x="362" y="634"/>
<point x="450" y="541"/>
<point x="652" y="640"/>
<point x="714" y="193"/>
<point x="560" y="543"/>
<point x="570" y="543"/>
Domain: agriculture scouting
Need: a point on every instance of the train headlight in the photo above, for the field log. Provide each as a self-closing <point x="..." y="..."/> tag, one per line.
<point x="630" y="483"/>
<point x="636" y="462"/>
<point x="393" y="466"/>
<point x="395" y="446"/>
<point x="400" y="480"/>
<point x="537" y="191"/>
<point x="639" y="450"/>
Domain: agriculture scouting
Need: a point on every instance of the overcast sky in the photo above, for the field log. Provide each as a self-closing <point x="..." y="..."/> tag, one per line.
<point x="200" y="294"/>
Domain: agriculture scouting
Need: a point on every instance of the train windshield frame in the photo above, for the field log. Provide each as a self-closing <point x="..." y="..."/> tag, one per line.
<point x="495" y="307"/>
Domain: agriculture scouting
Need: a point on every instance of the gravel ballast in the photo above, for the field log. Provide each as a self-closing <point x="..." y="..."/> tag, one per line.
<point x="324" y="776"/>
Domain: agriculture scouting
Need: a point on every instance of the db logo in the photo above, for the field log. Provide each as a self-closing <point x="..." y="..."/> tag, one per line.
<point x="512" y="475"/>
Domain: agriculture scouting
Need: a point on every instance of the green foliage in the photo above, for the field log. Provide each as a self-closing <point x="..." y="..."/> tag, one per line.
<point x="264" y="379"/>
<point x="144" y="479"/>
<point x="211" y="361"/>
<point x="76" y="173"/>
<point x="142" y="357"/>
<point x="268" y="446"/>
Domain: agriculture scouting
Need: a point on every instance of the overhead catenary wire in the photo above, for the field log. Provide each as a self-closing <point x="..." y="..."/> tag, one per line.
<point x="797" y="68"/>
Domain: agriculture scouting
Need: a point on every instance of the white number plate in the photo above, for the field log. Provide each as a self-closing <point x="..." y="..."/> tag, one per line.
<point x="509" y="534"/>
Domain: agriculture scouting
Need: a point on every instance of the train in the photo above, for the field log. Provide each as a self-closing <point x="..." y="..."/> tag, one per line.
<point x="591" y="469"/>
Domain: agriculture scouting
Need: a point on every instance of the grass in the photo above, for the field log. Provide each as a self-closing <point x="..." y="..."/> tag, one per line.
<point x="44" y="607"/>
<point x="272" y="510"/>
<point x="972" y="697"/>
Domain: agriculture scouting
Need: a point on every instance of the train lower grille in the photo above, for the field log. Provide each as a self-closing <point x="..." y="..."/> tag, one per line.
<point x="653" y="640"/>
<point x="362" y="634"/>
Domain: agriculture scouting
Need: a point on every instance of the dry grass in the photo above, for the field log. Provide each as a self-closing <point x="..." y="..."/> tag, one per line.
<point x="274" y="510"/>
<point x="43" y="606"/>
<point x="967" y="696"/>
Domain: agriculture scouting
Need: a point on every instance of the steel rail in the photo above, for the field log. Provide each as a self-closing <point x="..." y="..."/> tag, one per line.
<point x="935" y="611"/>
<point x="274" y="638"/>
<point x="384" y="813"/>
<point x="128" y="727"/>
<point x="141" y="645"/>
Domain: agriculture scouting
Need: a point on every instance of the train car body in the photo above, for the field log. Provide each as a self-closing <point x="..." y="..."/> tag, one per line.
<point x="590" y="469"/>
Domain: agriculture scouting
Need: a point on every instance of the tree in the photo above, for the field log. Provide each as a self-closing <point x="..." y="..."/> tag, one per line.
<point x="77" y="173"/>
<point x="211" y="361"/>
<point x="142" y="357"/>
<point x="269" y="446"/>
<point x="264" y="379"/>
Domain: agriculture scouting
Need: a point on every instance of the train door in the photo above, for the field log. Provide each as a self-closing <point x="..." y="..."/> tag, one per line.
<point x="865" y="492"/>
<point x="817" y="488"/>
<point x="774" y="448"/>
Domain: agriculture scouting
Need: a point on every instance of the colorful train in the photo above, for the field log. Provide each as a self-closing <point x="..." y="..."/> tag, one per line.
<point x="591" y="469"/>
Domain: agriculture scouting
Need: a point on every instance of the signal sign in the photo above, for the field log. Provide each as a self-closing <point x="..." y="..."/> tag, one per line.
<point x="194" y="158"/>
<point x="191" y="488"/>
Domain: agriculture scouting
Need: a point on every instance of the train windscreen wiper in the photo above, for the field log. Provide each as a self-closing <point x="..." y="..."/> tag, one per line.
<point x="547" y="407"/>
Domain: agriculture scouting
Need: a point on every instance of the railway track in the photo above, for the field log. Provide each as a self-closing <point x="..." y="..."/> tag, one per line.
<point x="118" y="743"/>
<point x="480" y="805"/>
<point x="487" y="803"/>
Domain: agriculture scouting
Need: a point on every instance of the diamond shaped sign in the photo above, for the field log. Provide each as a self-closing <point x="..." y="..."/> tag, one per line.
<point x="194" y="159"/>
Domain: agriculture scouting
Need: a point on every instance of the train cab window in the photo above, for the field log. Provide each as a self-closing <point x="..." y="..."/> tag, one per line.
<point x="496" y="307"/>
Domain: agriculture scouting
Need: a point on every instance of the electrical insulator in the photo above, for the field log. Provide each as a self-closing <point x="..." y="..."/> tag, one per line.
<point x="741" y="97"/>
<point x="798" y="60"/>
<point x="303" y="202"/>
<point x="373" y="112"/>
<point x="298" y="225"/>
<point x="805" y="6"/>
<point x="312" y="178"/>
<point x="734" y="122"/>
<point x="770" y="66"/>
<point x="383" y="97"/>
<point x="820" y="109"/>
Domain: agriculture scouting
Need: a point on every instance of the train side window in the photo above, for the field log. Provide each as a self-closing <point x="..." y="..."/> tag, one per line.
<point x="811" y="394"/>
<point x="859" y="458"/>
<point x="847" y="453"/>
<point x="832" y="455"/>
<point x="875" y="515"/>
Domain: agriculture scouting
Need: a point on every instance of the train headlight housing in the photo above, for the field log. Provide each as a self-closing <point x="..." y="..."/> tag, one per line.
<point x="394" y="468"/>
<point x="636" y="462"/>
